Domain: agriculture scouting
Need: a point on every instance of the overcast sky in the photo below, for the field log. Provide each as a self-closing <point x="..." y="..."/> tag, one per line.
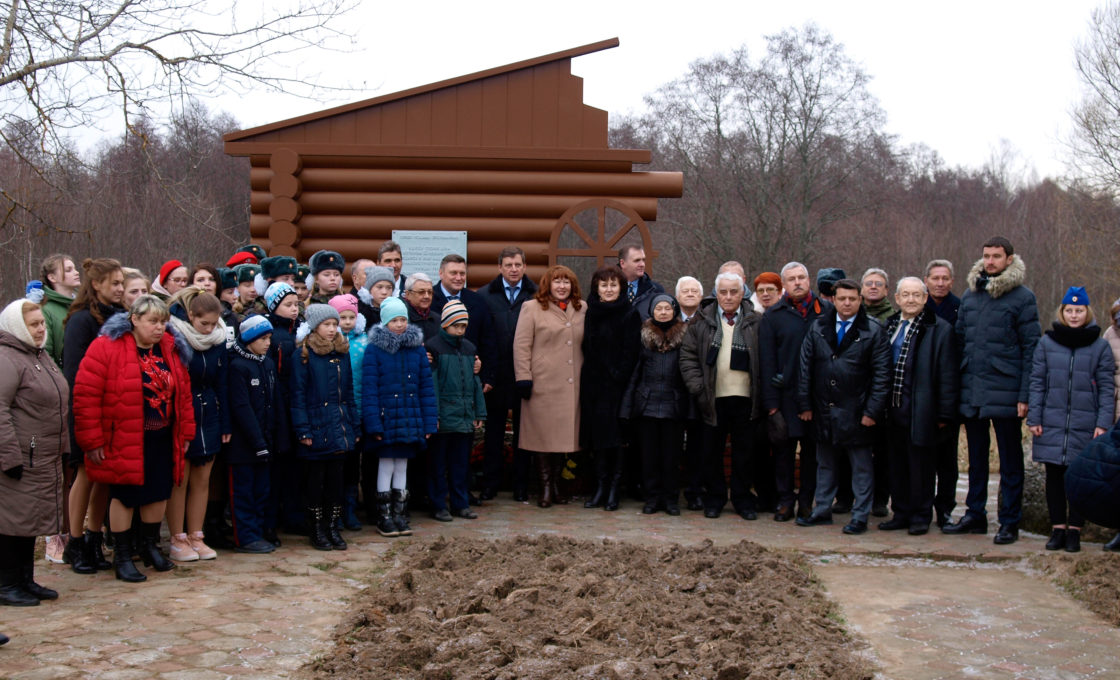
<point x="960" y="77"/>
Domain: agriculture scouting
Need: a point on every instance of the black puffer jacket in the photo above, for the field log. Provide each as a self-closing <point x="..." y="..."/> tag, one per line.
<point x="841" y="384"/>
<point x="610" y="350"/>
<point x="254" y="399"/>
<point x="1093" y="480"/>
<point x="656" y="388"/>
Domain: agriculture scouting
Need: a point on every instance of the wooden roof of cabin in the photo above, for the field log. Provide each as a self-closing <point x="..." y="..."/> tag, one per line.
<point x="530" y="109"/>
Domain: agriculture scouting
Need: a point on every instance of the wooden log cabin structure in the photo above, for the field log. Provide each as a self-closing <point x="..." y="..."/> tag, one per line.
<point x="511" y="155"/>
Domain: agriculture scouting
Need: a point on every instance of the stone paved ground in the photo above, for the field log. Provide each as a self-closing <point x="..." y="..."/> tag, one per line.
<point x="932" y="606"/>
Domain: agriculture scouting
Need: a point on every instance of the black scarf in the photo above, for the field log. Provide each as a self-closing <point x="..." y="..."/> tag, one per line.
<point x="1074" y="338"/>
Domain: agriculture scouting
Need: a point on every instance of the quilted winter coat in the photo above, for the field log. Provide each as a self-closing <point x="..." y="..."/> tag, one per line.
<point x="398" y="395"/>
<point x="34" y="400"/>
<point x="254" y="397"/>
<point x="323" y="402"/>
<point x="1071" y="391"/>
<point x="109" y="403"/>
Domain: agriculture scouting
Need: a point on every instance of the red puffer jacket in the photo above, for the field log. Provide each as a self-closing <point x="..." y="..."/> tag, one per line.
<point x="109" y="403"/>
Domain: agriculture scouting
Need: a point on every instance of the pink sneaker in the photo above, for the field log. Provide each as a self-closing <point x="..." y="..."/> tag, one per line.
<point x="204" y="551"/>
<point x="56" y="545"/>
<point x="181" y="550"/>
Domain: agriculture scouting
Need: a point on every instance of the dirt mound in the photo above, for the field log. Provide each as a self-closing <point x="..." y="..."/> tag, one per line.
<point x="1091" y="577"/>
<point x="549" y="607"/>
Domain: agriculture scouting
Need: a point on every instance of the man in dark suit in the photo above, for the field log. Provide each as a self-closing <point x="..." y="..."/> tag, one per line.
<point x="389" y="255"/>
<point x="480" y="331"/>
<point x="780" y="336"/>
<point x="842" y="389"/>
<point x="504" y="297"/>
<point x="640" y="288"/>
<point x="944" y="304"/>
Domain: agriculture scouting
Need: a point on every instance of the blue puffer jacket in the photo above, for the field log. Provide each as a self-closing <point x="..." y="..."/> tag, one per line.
<point x="398" y="396"/>
<point x="997" y="330"/>
<point x="207" y="368"/>
<point x="358" y="341"/>
<point x="323" y="400"/>
<point x="1071" y="391"/>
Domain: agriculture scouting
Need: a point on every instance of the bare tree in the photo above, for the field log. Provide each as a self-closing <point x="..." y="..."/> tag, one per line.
<point x="1096" y="137"/>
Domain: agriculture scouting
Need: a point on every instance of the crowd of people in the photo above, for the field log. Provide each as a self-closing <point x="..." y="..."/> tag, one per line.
<point x="240" y="402"/>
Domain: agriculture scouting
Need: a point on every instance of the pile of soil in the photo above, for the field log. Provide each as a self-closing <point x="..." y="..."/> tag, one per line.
<point x="1093" y="578"/>
<point x="551" y="607"/>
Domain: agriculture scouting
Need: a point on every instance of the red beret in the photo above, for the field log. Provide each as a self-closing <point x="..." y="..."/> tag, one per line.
<point x="241" y="258"/>
<point x="167" y="268"/>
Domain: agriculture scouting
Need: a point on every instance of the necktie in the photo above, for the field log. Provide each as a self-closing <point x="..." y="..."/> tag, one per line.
<point x="843" y="330"/>
<point x="896" y="346"/>
<point x="730" y="318"/>
<point x="512" y="294"/>
<point x="631" y="291"/>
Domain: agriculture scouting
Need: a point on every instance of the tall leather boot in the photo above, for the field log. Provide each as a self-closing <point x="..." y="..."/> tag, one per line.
<point x="94" y="554"/>
<point x="400" y="512"/>
<point x="29" y="584"/>
<point x="384" y="515"/>
<point x="123" y="567"/>
<point x="544" y="469"/>
<point x="599" y="498"/>
<point x="317" y="526"/>
<point x="614" y="494"/>
<point x="333" y="536"/>
<point x="350" y="509"/>
<point x="149" y="549"/>
<point x="75" y="555"/>
<point x="558" y="483"/>
<point x="12" y="592"/>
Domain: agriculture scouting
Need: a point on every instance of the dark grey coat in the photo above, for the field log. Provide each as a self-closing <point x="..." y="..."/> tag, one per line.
<point x="997" y="330"/>
<point x="780" y="335"/>
<point x="698" y="362"/>
<point x="1071" y="391"/>
<point x="934" y="376"/>
<point x="842" y="383"/>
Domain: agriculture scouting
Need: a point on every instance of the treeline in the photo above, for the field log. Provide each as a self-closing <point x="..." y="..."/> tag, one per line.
<point x="154" y="194"/>
<point x="785" y="158"/>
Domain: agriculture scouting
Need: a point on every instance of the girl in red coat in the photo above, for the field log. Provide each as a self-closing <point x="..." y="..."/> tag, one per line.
<point x="133" y="416"/>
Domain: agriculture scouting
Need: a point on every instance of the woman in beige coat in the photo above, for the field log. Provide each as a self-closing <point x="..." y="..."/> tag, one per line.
<point x="34" y="400"/>
<point x="546" y="362"/>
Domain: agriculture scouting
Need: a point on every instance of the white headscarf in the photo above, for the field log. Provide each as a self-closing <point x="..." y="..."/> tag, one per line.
<point x="11" y="321"/>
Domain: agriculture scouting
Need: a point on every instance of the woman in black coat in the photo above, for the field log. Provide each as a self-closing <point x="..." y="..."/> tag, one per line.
<point x="610" y="348"/>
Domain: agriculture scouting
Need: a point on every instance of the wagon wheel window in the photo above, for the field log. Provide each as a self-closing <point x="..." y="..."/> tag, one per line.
<point x="588" y="235"/>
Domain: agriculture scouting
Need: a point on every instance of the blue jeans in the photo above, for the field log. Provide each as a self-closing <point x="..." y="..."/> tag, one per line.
<point x="248" y="500"/>
<point x="448" y="456"/>
<point x="1009" y="441"/>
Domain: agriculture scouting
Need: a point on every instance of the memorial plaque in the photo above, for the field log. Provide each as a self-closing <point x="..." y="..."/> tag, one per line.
<point x="423" y="250"/>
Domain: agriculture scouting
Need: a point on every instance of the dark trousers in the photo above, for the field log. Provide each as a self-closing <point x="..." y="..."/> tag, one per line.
<point x="863" y="477"/>
<point x="249" y="500"/>
<point x="286" y="485"/>
<point x="499" y="402"/>
<point x="880" y="462"/>
<point x="324" y="481"/>
<point x="911" y="476"/>
<point x="1056" y="497"/>
<point x="16" y="552"/>
<point x="661" y="440"/>
<point x="1010" y="444"/>
<point x="694" y="460"/>
<point x="733" y="417"/>
<point x="784" y="472"/>
<point x="449" y="454"/>
<point x="762" y="467"/>
<point x="945" y="467"/>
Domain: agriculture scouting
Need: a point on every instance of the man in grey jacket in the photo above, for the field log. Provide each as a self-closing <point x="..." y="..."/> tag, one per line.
<point x="997" y="330"/>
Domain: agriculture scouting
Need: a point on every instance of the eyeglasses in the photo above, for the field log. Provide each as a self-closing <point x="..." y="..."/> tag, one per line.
<point x="766" y="290"/>
<point x="875" y="284"/>
<point x="912" y="295"/>
<point x="178" y="279"/>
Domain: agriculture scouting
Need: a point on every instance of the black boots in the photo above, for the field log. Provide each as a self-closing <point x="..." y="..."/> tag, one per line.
<point x="123" y="567"/>
<point x="12" y="590"/>
<point x="94" y="554"/>
<point x="318" y="533"/>
<point x="149" y="548"/>
<point x="29" y="584"/>
<point x="350" y="512"/>
<point x="614" y="495"/>
<point x="400" y="512"/>
<point x="75" y="555"/>
<point x="384" y="515"/>
<point x="600" y="496"/>
<point x="1113" y="545"/>
<point x="1057" y="539"/>
<point x="333" y="522"/>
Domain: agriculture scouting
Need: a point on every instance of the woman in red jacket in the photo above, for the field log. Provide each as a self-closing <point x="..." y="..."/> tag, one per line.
<point x="133" y="417"/>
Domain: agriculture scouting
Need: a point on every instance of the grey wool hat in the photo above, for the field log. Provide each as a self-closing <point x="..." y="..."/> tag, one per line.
<point x="375" y="274"/>
<point x="318" y="313"/>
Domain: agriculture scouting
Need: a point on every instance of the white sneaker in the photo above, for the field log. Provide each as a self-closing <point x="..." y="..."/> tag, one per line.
<point x="204" y="551"/>
<point x="56" y="544"/>
<point x="181" y="550"/>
